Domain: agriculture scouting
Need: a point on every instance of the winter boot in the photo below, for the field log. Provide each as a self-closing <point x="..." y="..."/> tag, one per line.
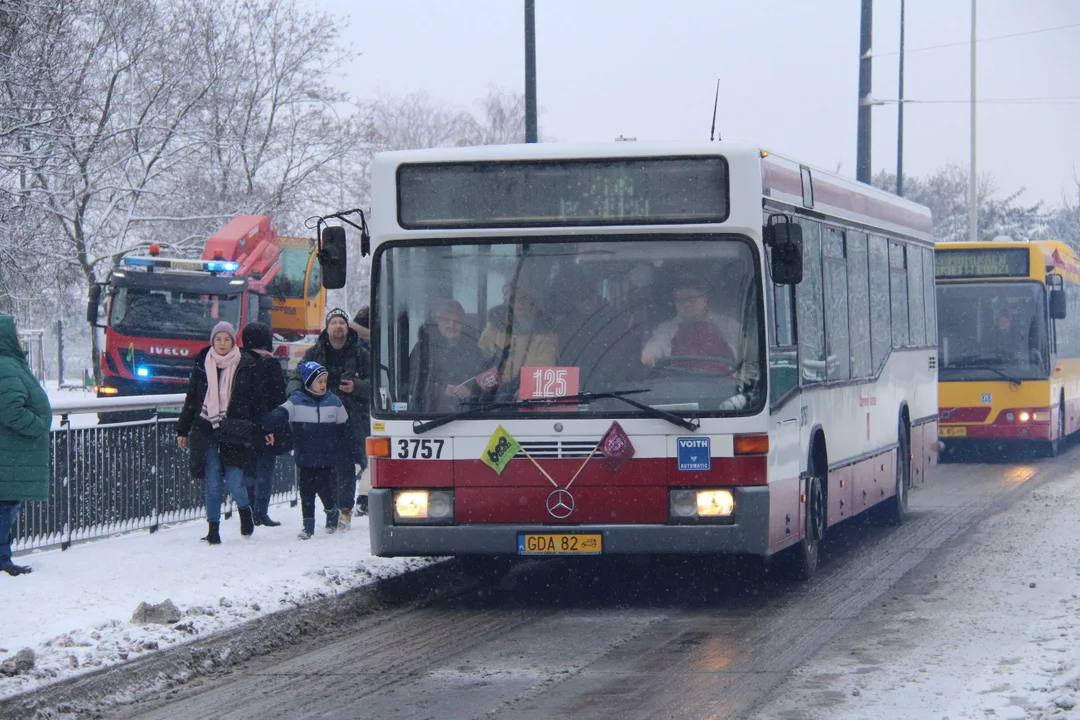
<point x="212" y="537"/>
<point x="309" y="529"/>
<point x="361" y="505"/>
<point x="344" y="520"/>
<point x="12" y="569"/>
<point x="247" y="526"/>
<point x="264" y="520"/>
<point x="332" y="522"/>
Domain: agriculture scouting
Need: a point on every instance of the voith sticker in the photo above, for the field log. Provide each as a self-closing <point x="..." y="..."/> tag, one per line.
<point x="694" y="454"/>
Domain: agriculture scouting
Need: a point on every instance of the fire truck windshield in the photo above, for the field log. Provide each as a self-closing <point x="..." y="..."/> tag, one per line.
<point x="676" y="318"/>
<point x="171" y="313"/>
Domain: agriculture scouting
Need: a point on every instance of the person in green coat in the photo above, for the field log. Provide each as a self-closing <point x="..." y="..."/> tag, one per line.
<point x="25" y="419"/>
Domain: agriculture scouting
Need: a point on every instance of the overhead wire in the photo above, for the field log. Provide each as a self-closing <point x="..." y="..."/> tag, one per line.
<point x="967" y="43"/>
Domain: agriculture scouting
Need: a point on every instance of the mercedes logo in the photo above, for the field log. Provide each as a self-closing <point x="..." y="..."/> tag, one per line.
<point x="560" y="504"/>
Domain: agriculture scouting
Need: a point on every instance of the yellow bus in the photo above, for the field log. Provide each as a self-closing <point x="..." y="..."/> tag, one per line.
<point x="1009" y="353"/>
<point x="299" y="297"/>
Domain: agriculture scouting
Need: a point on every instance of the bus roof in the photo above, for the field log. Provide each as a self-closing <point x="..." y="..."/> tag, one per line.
<point x="780" y="178"/>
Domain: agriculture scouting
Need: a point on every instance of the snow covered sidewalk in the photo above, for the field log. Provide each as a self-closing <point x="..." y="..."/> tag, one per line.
<point x="989" y="628"/>
<point x="75" y="610"/>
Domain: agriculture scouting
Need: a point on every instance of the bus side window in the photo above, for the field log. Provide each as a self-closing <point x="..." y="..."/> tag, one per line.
<point x="898" y="293"/>
<point x="859" y="305"/>
<point x="880" y="329"/>
<point x="916" y="314"/>
<point x="783" y="355"/>
<point x="810" y="301"/>
<point x="930" y="297"/>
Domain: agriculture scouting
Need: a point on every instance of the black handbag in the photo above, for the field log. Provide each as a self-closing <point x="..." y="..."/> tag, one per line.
<point x="236" y="431"/>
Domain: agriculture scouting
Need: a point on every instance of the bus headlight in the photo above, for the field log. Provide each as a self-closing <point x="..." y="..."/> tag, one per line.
<point x="424" y="506"/>
<point x="715" y="503"/>
<point x="1025" y="416"/>
<point x="701" y="504"/>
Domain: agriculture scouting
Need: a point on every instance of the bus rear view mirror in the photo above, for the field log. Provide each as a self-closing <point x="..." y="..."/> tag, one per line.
<point x="1057" y="305"/>
<point x="785" y="241"/>
<point x="93" y="304"/>
<point x="332" y="257"/>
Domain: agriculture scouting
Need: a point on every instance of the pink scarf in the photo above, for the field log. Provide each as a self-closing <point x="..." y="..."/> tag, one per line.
<point x="220" y="371"/>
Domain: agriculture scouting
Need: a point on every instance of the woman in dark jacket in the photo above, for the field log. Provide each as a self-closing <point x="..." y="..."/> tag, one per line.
<point x="259" y="341"/>
<point x="221" y="412"/>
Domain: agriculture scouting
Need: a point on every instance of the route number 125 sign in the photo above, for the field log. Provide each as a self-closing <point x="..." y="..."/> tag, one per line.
<point x="542" y="383"/>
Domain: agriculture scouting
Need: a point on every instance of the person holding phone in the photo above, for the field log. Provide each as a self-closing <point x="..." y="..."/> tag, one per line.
<point x="347" y="363"/>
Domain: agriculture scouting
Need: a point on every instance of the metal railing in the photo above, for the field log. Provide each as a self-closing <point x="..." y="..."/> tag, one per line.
<point x="118" y="477"/>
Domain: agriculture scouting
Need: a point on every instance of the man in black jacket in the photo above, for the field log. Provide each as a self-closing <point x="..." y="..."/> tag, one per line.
<point x="348" y="364"/>
<point x="259" y="341"/>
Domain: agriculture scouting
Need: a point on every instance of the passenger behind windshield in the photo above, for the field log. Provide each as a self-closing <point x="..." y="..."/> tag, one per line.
<point x="523" y="337"/>
<point x="444" y="362"/>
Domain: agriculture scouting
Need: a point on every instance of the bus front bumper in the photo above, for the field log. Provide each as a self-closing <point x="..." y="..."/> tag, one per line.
<point x="749" y="534"/>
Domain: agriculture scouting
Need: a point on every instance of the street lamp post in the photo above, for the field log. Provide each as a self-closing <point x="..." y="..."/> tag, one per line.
<point x="530" y="71"/>
<point x="973" y="219"/>
<point x="900" y="114"/>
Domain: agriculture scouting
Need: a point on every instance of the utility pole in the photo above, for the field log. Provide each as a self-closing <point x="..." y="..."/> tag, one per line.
<point x="973" y="219"/>
<point x="862" y="142"/>
<point x="900" y="114"/>
<point x="530" y="71"/>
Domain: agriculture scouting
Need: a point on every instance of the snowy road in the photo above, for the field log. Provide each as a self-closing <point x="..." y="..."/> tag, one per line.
<point x="628" y="639"/>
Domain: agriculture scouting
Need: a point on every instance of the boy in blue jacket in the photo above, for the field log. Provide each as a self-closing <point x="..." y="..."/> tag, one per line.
<point x="319" y="437"/>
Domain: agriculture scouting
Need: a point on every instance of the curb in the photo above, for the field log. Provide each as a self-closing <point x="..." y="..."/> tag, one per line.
<point x="119" y="685"/>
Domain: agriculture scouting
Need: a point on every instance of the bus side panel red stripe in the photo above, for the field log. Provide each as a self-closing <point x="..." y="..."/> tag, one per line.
<point x="411" y="473"/>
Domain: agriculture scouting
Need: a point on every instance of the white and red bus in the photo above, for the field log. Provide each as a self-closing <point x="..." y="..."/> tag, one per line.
<point x="634" y="348"/>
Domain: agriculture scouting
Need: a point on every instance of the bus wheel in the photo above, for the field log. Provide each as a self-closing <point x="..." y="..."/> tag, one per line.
<point x="894" y="510"/>
<point x="799" y="563"/>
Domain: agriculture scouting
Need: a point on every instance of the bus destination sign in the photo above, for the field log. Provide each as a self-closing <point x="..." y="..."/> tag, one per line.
<point x="983" y="262"/>
<point x="559" y="193"/>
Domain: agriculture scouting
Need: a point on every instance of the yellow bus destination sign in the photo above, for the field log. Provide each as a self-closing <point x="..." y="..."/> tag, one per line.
<point x="983" y="262"/>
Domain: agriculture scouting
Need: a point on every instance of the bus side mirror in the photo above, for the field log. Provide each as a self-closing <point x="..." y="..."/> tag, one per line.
<point x="332" y="257"/>
<point x="1057" y="304"/>
<point x="786" y="252"/>
<point x="93" y="304"/>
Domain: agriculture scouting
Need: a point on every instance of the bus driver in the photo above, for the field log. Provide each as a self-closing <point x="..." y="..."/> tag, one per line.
<point x="693" y="332"/>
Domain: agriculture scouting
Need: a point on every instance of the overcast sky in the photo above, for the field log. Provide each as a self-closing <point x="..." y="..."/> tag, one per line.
<point x="788" y="72"/>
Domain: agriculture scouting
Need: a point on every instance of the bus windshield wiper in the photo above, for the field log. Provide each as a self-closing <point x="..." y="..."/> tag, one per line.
<point x="987" y="368"/>
<point x="477" y="410"/>
<point x="691" y="425"/>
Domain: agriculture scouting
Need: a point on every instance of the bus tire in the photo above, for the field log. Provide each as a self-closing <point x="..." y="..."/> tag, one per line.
<point x="800" y="562"/>
<point x="895" y="509"/>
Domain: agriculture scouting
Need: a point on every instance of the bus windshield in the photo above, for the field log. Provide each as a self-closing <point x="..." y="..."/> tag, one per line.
<point x="993" y="331"/>
<point x="676" y="318"/>
<point x="171" y="313"/>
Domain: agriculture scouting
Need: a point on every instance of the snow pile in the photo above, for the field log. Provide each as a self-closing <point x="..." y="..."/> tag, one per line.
<point x="989" y="629"/>
<point x="75" y="610"/>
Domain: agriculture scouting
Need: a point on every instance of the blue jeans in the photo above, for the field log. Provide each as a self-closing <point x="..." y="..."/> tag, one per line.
<point x="9" y="510"/>
<point x="216" y="476"/>
<point x="260" y="483"/>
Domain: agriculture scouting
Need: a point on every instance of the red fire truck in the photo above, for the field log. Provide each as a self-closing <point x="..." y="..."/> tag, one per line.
<point x="160" y="310"/>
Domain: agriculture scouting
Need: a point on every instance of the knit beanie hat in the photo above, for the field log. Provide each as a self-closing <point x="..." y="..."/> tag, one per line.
<point x="337" y="312"/>
<point x="223" y="327"/>
<point x="310" y="372"/>
<point x="257" y="336"/>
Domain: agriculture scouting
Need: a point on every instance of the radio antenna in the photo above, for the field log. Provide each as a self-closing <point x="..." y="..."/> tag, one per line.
<point x="716" y="101"/>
